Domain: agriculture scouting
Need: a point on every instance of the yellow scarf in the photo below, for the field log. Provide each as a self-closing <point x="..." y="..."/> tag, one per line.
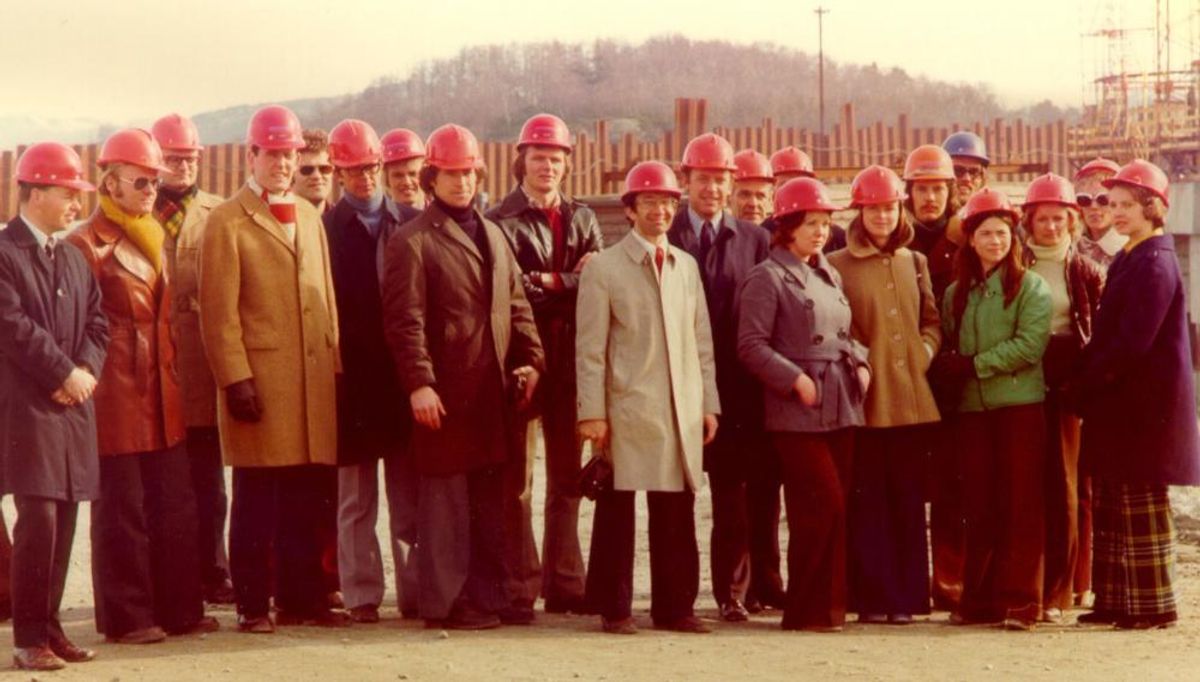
<point x="144" y="231"/>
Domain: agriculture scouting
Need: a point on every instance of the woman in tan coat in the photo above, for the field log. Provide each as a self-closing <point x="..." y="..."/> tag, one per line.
<point x="794" y="335"/>
<point x="896" y="317"/>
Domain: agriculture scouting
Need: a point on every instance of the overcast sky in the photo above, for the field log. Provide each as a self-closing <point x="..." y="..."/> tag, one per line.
<point x="129" y="61"/>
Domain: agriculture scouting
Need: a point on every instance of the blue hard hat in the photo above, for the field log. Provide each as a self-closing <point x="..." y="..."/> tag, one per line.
<point x="968" y="144"/>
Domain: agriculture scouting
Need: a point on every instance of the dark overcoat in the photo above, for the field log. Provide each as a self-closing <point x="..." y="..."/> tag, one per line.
<point x="1135" y="389"/>
<point x="50" y="322"/>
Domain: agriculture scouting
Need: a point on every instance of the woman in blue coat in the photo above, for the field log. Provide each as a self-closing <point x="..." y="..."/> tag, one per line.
<point x="1137" y="397"/>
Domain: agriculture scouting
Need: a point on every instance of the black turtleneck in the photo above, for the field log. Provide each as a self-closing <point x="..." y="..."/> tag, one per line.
<point x="178" y="195"/>
<point x="467" y="220"/>
<point x="926" y="235"/>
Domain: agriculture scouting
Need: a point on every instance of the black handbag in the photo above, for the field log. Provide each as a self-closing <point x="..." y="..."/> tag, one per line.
<point x="595" y="478"/>
<point x="947" y="385"/>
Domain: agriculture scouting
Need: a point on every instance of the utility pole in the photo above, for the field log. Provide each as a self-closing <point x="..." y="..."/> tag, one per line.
<point x="821" y="12"/>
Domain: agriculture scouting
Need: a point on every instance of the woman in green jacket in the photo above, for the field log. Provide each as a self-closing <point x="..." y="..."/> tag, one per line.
<point x="996" y="316"/>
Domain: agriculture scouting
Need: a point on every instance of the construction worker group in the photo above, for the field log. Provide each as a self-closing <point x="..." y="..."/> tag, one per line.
<point x="1023" y="369"/>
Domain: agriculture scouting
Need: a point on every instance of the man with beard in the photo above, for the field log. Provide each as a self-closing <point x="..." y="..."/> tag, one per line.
<point x="932" y="203"/>
<point x="971" y="162"/>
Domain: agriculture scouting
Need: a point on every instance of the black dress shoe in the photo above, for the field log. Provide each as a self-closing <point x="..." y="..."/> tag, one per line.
<point x="37" y="658"/>
<point x="150" y="635"/>
<point x="754" y="606"/>
<point x="258" y="625"/>
<point x="205" y="625"/>
<point x="690" y="624"/>
<point x="734" y="612"/>
<point x="366" y="613"/>
<point x="517" y="614"/>
<point x="576" y="605"/>
<point x="1098" y="617"/>
<point x="1154" y="621"/>
<point x="623" y="626"/>
<point x="67" y="651"/>
<point x="220" y="593"/>
<point x="467" y="618"/>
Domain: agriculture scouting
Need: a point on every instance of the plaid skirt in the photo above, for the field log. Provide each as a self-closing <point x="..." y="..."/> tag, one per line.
<point x="1134" y="548"/>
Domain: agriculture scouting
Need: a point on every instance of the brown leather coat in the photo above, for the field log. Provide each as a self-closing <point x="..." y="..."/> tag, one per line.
<point x="1085" y="284"/>
<point x="138" y="404"/>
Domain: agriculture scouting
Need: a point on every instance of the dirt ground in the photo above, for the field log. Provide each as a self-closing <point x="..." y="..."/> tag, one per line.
<point x="572" y="647"/>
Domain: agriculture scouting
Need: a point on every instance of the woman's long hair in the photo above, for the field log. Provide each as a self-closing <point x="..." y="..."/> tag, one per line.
<point x="968" y="269"/>
<point x="899" y="237"/>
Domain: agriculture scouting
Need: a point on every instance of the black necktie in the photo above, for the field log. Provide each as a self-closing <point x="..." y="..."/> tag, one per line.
<point x="706" y="240"/>
<point x="50" y="247"/>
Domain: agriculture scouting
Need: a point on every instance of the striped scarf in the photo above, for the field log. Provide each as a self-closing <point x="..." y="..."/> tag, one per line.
<point x="283" y="207"/>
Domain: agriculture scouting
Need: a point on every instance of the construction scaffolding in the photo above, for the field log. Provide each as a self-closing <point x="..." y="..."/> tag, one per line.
<point x="1141" y="84"/>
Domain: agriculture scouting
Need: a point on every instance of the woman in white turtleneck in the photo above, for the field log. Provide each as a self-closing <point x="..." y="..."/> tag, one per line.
<point x="1052" y="222"/>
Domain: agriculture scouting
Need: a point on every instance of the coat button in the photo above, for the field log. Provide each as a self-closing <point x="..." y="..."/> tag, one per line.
<point x="899" y="363"/>
<point x="893" y="312"/>
<point x="61" y="293"/>
<point x="887" y="261"/>
<point x="891" y="285"/>
<point x="896" y="337"/>
<point x="818" y="340"/>
<point x="842" y="334"/>
<point x="809" y="303"/>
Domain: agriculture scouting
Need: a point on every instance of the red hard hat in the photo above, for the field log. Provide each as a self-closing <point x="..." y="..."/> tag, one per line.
<point x="708" y="152"/>
<point x="752" y="165"/>
<point x="545" y="130"/>
<point x="791" y="160"/>
<point x="1050" y="189"/>
<point x="174" y="131"/>
<point x="51" y="163"/>
<point x="803" y="194"/>
<point x="875" y="185"/>
<point x="1141" y="173"/>
<point x="453" y="147"/>
<point x="274" y="127"/>
<point x="650" y="176"/>
<point x="353" y="143"/>
<point x="984" y="202"/>
<point x="134" y="146"/>
<point x="1098" y="165"/>
<point x="928" y="162"/>
<point x="402" y="144"/>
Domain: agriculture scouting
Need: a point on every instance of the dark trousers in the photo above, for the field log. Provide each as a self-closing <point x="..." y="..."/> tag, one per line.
<point x="731" y="460"/>
<point x="6" y="551"/>
<point x="889" y="564"/>
<point x="212" y="504"/>
<point x="277" y="510"/>
<point x="946" y="520"/>
<point x="1082" y="583"/>
<point x="521" y="553"/>
<point x="1062" y="503"/>
<point x="763" y="486"/>
<point x="816" y="472"/>
<point x="144" y="567"/>
<point x="1003" y="456"/>
<point x="463" y="559"/>
<point x="327" y="530"/>
<point x="41" y="557"/>
<point x="674" y="555"/>
<point x="562" y="556"/>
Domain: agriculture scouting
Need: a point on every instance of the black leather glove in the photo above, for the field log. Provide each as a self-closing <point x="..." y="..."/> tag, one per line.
<point x="243" y="402"/>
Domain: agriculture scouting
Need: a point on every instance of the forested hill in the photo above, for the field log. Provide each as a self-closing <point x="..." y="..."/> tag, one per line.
<point x="493" y="89"/>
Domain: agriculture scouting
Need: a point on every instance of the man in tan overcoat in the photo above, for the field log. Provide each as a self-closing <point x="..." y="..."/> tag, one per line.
<point x="269" y="324"/>
<point x="647" y="399"/>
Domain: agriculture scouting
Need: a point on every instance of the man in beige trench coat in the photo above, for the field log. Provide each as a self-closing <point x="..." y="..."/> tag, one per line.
<point x="647" y="395"/>
<point x="269" y="325"/>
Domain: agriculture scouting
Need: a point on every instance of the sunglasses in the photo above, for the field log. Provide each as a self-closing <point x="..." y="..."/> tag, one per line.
<point x="325" y="169"/>
<point x="1085" y="200"/>
<point x="140" y="184"/>
<point x="968" y="171"/>
<point x="181" y="160"/>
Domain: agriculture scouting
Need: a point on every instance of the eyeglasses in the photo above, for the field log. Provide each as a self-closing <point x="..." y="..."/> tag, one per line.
<point x="1085" y="200"/>
<point x="369" y="169"/>
<point x="140" y="184"/>
<point x="968" y="171"/>
<point x="181" y="160"/>
<point x="325" y="169"/>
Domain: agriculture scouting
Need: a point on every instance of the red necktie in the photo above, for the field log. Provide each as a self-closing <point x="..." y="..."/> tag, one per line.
<point x="659" y="257"/>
